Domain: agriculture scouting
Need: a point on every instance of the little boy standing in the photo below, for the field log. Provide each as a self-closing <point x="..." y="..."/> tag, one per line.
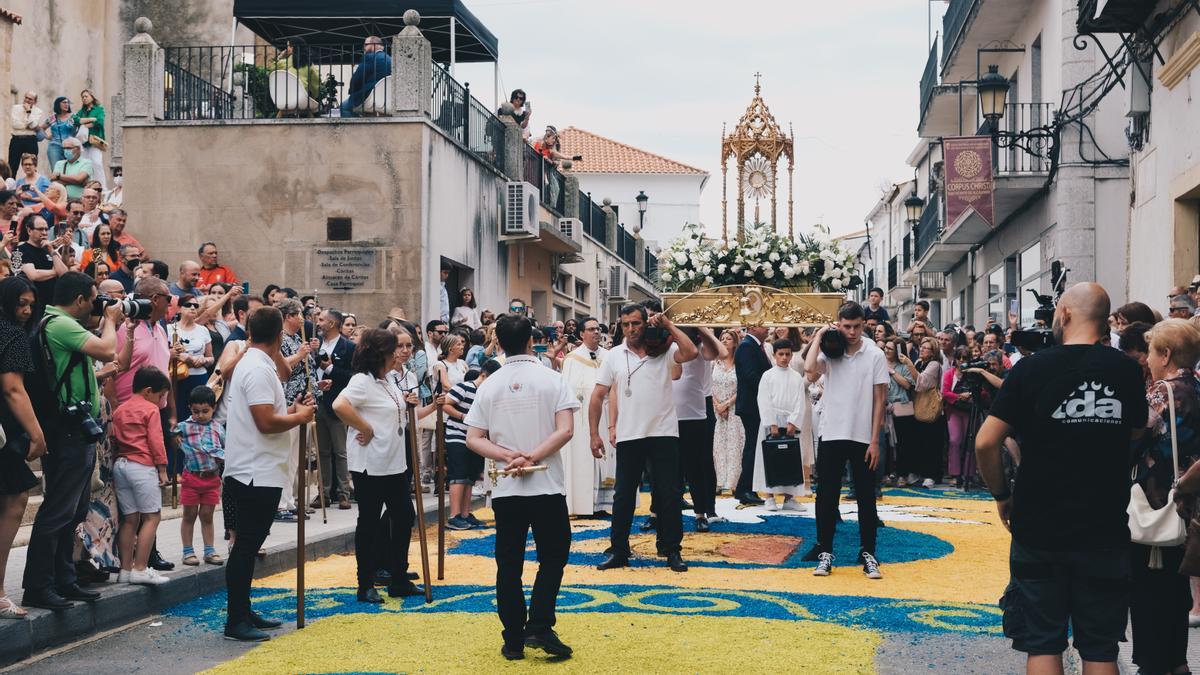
<point x="202" y="441"/>
<point x="139" y="473"/>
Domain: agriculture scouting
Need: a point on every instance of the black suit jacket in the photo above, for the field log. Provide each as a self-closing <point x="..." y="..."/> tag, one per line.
<point x="238" y="333"/>
<point x="343" y="353"/>
<point x="749" y="363"/>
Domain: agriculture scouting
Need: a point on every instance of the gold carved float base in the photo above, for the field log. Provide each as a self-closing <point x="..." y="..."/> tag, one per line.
<point x="740" y="306"/>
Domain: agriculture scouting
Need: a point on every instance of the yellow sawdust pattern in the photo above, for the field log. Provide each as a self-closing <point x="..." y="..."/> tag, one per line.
<point x="625" y="642"/>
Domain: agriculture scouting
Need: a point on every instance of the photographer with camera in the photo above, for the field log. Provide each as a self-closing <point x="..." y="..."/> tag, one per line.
<point x="967" y="391"/>
<point x="1076" y="407"/>
<point x="66" y="396"/>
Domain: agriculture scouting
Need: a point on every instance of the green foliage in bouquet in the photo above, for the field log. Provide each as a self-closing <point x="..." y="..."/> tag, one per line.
<point x="813" y="261"/>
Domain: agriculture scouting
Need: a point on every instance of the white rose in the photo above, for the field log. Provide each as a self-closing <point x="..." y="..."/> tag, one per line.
<point x="735" y="269"/>
<point x="774" y="257"/>
<point x="721" y="268"/>
<point x="666" y="276"/>
<point x="708" y="280"/>
<point x="803" y="267"/>
<point x="837" y="284"/>
<point x="681" y="257"/>
<point x="788" y="272"/>
<point x="768" y="273"/>
<point x="749" y="273"/>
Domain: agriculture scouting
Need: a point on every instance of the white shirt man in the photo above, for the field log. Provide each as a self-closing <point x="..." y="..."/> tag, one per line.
<point x="692" y="394"/>
<point x="522" y="416"/>
<point x="589" y="480"/>
<point x="647" y="429"/>
<point x="848" y="432"/>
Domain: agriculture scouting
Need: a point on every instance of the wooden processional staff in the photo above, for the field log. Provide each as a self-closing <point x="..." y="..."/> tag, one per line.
<point x="416" y="472"/>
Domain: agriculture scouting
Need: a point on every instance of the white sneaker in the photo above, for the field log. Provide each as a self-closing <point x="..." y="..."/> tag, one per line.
<point x="824" y="565"/>
<point x="716" y="519"/>
<point x="123" y="577"/>
<point x="146" y="577"/>
<point x="927" y="483"/>
<point x="792" y="505"/>
<point x="771" y="504"/>
<point x="1193" y="620"/>
<point x="158" y="574"/>
<point x="913" y="479"/>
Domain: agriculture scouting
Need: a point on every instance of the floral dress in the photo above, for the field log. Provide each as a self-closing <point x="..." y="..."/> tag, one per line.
<point x="728" y="434"/>
<point x="1155" y="465"/>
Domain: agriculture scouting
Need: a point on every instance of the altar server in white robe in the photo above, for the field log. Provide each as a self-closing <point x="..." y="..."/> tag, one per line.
<point x="780" y="397"/>
<point x="589" y="481"/>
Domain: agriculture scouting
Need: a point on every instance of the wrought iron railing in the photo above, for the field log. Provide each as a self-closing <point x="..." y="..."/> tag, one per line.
<point x="545" y="176"/>
<point x="931" y="281"/>
<point x="870" y="281"/>
<point x="953" y="24"/>
<point x="927" y="229"/>
<point x="892" y="275"/>
<point x="907" y="252"/>
<point x="1031" y="154"/>
<point x="262" y="81"/>
<point x="453" y="110"/>
<point x="592" y="216"/>
<point x="651" y="265"/>
<point x="929" y="79"/>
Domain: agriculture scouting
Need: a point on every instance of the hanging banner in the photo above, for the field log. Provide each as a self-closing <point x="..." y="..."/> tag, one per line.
<point x="969" y="179"/>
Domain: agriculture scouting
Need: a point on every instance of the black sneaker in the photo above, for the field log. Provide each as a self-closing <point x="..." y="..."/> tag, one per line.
<point x="458" y="523"/>
<point x="512" y="653"/>
<point x="244" y="632"/>
<point x="870" y="566"/>
<point x="701" y="524"/>
<point x="549" y="643"/>
<point x="824" y="565"/>
<point x="475" y="522"/>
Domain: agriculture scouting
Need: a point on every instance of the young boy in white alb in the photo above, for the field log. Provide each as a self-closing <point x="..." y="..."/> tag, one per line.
<point x="780" y="400"/>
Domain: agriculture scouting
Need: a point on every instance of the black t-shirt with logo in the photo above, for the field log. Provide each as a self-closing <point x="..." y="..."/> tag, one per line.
<point x="1075" y="408"/>
<point x="42" y="260"/>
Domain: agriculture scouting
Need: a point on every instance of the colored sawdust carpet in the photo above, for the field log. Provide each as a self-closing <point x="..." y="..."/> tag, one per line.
<point x="748" y="593"/>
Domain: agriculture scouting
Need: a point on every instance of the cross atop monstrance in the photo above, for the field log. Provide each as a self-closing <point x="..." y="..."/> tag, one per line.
<point x="756" y="145"/>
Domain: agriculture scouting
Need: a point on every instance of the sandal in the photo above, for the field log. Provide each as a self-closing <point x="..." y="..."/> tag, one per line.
<point x="10" y="610"/>
<point x="191" y="559"/>
<point x="214" y="559"/>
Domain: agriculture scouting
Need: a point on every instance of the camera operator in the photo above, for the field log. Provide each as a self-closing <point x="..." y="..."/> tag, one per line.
<point x="968" y="392"/>
<point x="50" y="581"/>
<point x="1075" y="406"/>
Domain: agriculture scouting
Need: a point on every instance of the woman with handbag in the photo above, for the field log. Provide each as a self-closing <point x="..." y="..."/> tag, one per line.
<point x="1160" y="595"/>
<point x="926" y="467"/>
<point x="91" y="118"/>
<point x="900" y="405"/>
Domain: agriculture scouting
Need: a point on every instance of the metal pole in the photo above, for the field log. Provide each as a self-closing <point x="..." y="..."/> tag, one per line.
<point x="453" y="44"/>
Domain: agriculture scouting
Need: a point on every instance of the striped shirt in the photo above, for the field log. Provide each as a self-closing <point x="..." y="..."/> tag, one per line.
<point x="461" y="395"/>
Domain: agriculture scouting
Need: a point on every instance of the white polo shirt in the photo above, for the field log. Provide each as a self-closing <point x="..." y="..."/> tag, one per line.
<point x="250" y="455"/>
<point x="849" y="390"/>
<point x="516" y="407"/>
<point x="690" y="390"/>
<point x="645" y="403"/>
<point x="381" y="405"/>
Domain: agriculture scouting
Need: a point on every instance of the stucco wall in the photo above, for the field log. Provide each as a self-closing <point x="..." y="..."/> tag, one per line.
<point x="263" y="192"/>
<point x="674" y="201"/>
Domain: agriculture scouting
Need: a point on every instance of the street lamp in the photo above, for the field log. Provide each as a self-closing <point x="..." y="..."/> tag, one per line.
<point x="641" y="202"/>
<point x="993" y="90"/>
<point x="913" y="207"/>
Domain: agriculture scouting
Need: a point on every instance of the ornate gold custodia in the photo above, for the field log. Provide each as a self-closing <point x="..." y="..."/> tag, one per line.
<point x="741" y="306"/>
<point x="756" y="146"/>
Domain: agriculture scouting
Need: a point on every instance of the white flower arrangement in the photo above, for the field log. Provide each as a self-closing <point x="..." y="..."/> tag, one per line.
<point x="693" y="261"/>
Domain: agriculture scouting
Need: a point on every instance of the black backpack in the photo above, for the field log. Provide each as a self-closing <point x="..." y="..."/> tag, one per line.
<point x="41" y="385"/>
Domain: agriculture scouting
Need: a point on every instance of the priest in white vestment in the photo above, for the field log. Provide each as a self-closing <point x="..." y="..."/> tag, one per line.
<point x="589" y="481"/>
<point x="781" y="394"/>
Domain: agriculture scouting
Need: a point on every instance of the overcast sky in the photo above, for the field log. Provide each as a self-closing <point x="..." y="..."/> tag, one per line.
<point x="663" y="75"/>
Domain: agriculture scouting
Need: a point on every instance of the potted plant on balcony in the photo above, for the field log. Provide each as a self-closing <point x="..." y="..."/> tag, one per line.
<point x="766" y="278"/>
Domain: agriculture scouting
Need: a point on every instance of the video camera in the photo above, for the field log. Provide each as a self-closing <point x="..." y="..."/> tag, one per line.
<point x="1041" y="335"/>
<point x="133" y="308"/>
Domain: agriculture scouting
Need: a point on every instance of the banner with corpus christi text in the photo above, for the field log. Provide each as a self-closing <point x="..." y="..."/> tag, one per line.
<point x="969" y="179"/>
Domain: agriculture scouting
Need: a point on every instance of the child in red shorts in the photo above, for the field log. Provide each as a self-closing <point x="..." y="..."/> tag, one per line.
<point x="202" y="441"/>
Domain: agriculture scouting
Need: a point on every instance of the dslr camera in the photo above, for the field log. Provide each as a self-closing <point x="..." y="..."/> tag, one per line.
<point x="1041" y="335"/>
<point x="81" y="413"/>
<point x="133" y="308"/>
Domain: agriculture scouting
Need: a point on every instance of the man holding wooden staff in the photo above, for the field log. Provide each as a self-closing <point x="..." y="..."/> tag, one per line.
<point x="256" y="463"/>
<point x="522" y="416"/>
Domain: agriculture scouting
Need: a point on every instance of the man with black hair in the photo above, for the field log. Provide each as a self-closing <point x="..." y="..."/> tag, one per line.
<point x="333" y="374"/>
<point x="849" y="432"/>
<point x="874" y="311"/>
<point x="646" y="430"/>
<point x="521" y="417"/>
<point x="211" y="271"/>
<point x="243" y="305"/>
<point x="256" y="458"/>
<point x="750" y="361"/>
<point x="130" y="260"/>
<point x="50" y="581"/>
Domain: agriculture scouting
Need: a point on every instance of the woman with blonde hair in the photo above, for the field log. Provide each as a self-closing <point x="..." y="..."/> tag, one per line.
<point x="451" y="367"/>
<point x="1159" y="595"/>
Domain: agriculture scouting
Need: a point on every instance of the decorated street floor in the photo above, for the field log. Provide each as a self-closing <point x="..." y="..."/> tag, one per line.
<point x="747" y="601"/>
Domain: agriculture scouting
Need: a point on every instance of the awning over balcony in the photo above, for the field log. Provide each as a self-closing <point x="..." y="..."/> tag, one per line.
<point x="320" y="22"/>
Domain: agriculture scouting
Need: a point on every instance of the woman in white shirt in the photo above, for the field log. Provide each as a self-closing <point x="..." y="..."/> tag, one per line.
<point x="451" y="367"/>
<point x="195" y="352"/>
<point x="373" y="407"/>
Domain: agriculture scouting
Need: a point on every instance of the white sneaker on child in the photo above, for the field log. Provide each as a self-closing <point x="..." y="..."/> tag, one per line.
<point x="771" y="504"/>
<point x="146" y="577"/>
<point x="792" y="505"/>
<point x="123" y="577"/>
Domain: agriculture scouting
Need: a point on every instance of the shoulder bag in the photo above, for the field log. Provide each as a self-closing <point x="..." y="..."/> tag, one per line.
<point x="1158" y="527"/>
<point x="927" y="405"/>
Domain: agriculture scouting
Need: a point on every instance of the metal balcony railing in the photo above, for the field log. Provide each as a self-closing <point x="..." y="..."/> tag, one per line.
<point x="892" y="273"/>
<point x="465" y="119"/>
<point x="651" y="265"/>
<point x="954" y="23"/>
<point x="931" y="281"/>
<point x="927" y="229"/>
<point x="545" y="176"/>
<point x="929" y="79"/>
<point x="1018" y="118"/>
<point x="907" y="252"/>
<point x="592" y="217"/>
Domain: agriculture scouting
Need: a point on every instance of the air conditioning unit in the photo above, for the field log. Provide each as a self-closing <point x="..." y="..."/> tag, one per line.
<point x="520" y="211"/>
<point x="571" y="228"/>
<point x="617" y="281"/>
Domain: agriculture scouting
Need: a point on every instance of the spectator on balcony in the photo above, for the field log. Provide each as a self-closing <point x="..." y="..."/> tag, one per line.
<point x="114" y="198"/>
<point x="29" y="180"/>
<point x="375" y="66"/>
<point x="521" y="111"/>
<point x="295" y="59"/>
<point x="74" y="170"/>
<point x="189" y="278"/>
<point x="91" y="116"/>
<point x="104" y="249"/>
<point x="874" y="309"/>
<point x="467" y="312"/>
<point x="550" y="147"/>
<point x="92" y="214"/>
<point x="26" y="119"/>
<point x="211" y="271"/>
<point x="59" y="126"/>
<point x="126" y="272"/>
<point x="921" y="311"/>
<point x="117" y="220"/>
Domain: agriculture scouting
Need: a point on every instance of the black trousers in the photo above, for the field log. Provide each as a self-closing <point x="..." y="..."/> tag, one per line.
<point x="547" y="516"/>
<point x="67" y="467"/>
<point x="831" y="460"/>
<point x="1158" y="610"/>
<point x="373" y="492"/>
<point x="906" y="442"/>
<point x="256" y="510"/>
<point x="663" y="454"/>
<point x="750" y="424"/>
<point x="696" y="461"/>
<point x="17" y="146"/>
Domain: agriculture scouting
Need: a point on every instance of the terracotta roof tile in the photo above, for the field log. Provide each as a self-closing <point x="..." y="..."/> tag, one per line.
<point x="604" y="155"/>
<point x="11" y="16"/>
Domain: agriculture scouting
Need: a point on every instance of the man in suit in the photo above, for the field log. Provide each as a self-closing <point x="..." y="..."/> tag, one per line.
<point x="243" y="305"/>
<point x="334" y="354"/>
<point x="749" y="362"/>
